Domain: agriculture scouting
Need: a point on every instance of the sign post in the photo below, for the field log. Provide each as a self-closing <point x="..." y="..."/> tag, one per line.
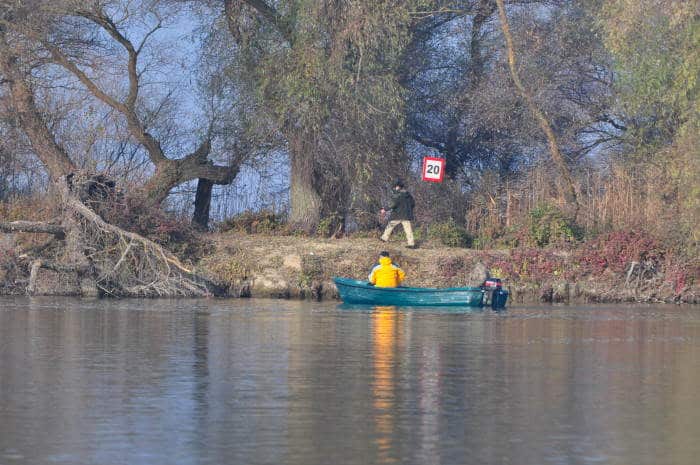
<point x="433" y="169"/>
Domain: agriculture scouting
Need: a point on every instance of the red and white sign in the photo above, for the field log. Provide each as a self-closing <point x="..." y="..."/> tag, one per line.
<point x="433" y="169"/>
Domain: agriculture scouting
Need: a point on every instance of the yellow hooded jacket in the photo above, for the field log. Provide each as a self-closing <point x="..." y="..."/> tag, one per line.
<point x="386" y="274"/>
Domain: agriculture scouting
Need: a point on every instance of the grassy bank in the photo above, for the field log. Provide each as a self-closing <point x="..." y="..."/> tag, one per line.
<point x="300" y="267"/>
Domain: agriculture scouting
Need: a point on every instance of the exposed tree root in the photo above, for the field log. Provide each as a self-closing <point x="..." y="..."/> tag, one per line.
<point x="36" y="265"/>
<point x="125" y="263"/>
<point x="119" y="262"/>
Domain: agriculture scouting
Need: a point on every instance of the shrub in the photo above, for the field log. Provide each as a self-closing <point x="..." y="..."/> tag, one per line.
<point x="506" y="238"/>
<point x="615" y="251"/>
<point x="548" y="225"/>
<point x="329" y="224"/>
<point x="250" y="222"/>
<point x="450" y="234"/>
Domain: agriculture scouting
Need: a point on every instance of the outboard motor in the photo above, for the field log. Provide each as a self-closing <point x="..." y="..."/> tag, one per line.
<point x="495" y="295"/>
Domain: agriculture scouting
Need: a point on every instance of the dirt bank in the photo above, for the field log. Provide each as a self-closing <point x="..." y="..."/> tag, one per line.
<point x="299" y="267"/>
<point x="258" y="265"/>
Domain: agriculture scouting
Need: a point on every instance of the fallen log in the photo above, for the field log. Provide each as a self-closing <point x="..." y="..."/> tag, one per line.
<point x="33" y="227"/>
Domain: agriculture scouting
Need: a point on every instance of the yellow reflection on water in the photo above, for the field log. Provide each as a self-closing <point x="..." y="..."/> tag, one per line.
<point x="384" y="335"/>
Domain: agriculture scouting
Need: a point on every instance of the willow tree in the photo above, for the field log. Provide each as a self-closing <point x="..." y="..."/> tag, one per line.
<point x="105" y="48"/>
<point x="34" y="36"/>
<point x="654" y="44"/>
<point x="326" y="72"/>
<point x="445" y="77"/>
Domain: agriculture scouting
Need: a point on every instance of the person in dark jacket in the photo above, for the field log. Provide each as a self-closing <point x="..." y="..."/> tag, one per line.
<point x="402" y="204"/>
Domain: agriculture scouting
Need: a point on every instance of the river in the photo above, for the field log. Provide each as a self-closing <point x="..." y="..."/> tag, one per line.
<point x="283" y="382"/>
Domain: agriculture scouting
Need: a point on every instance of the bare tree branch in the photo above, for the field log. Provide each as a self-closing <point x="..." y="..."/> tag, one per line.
<point x="33" y="227"/>
<point x="147" y="36"/>
<point x="127" y="108"/>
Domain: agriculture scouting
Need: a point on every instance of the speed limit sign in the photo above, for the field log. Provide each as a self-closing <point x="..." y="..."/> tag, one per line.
<point x="433" y="169"/>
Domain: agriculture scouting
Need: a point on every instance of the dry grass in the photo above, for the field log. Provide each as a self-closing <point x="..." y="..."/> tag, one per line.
<point x="655" y="198"/>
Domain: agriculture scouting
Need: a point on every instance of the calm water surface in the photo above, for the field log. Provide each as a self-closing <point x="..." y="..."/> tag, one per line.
<point x="257" y="382"/>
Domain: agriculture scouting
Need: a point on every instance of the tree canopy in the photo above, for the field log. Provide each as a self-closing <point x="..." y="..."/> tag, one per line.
<point x="527" y="101"/>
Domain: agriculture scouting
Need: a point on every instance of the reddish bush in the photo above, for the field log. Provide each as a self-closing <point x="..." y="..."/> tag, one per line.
<point x="615" y="251"/>
<point x="681" y="274"/>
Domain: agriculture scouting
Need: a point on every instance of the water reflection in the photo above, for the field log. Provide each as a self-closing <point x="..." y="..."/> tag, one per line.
<point x="385" y="320"/>
<point x="409" y="309"/>
<point x="288" y="382"/>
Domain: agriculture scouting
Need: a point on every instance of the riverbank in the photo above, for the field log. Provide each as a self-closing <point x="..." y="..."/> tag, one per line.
<point x="297" y="267"/>
<point x="300" y="267"/>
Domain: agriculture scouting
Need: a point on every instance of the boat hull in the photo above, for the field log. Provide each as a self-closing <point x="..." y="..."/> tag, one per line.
<point x="360" y="292"/>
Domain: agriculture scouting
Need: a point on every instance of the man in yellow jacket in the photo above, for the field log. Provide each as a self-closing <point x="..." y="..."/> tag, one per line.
<point x="386" y="274"/>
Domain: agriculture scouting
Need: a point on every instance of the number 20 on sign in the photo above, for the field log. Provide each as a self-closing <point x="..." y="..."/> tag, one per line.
<point x="433" y="169"/>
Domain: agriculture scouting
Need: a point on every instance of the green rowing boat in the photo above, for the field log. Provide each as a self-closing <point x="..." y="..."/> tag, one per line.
<point x="361" y="292"/>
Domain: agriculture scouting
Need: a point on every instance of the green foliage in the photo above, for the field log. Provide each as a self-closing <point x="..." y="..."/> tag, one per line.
<point x="328" y="225"/>
<point x="311" y="269"/>
<point x="330" y="82"/>
<point x="450" y="234"/>
<point x="337" y="63"/>
<point x="654" y="44"/>
<point x="548" y="225"/>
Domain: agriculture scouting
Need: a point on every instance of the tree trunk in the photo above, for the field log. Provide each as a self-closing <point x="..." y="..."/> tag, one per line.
<point x="53" y="157"/>
<point x="202" y="202"/>
<point x="452" y="163"/>
<point x="557" y="157"/>
<point x="165" y="177"/>
<point x="305" y="202"/>
<point x="170" y="173"/>
<point x="474" y="76"/>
